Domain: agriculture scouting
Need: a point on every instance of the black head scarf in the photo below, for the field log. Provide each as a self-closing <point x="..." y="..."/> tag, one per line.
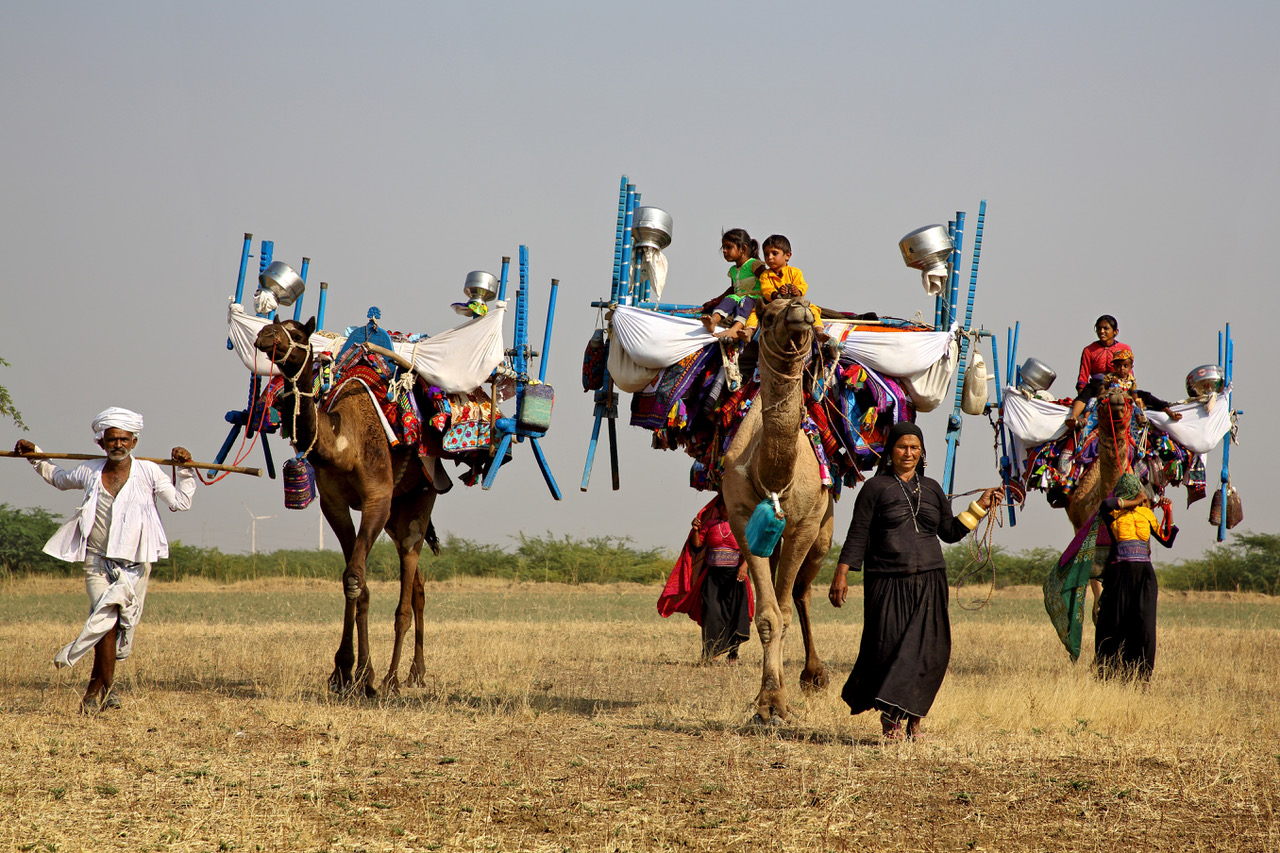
<point x="900" y="429"/>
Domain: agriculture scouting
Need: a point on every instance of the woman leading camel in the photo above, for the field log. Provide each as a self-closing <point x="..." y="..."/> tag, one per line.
<point x="898" y="518"/>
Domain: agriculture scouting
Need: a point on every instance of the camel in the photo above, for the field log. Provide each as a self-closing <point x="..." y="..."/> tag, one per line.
<point x="770" y="453"/>
<point x="357" y="469"/>
<point x="1115" y="410"/>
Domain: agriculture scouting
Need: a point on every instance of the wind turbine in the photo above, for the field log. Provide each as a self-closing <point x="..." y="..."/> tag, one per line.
<point x="253" y="527"/>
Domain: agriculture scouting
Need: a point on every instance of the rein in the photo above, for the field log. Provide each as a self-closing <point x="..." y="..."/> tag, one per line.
<point x="295" y="392"/>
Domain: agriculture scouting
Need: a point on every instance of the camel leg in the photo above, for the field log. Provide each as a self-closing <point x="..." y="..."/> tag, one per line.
<point x="339" y="519"/>
<point x="814" y="674"/>
<point x="771" y="701"/>
<point x="418" y="669"/>
<point x="373" y="518"/>
<point x="408" y="530"/>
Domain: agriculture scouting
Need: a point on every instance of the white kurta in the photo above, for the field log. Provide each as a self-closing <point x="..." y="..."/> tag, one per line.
<point x="136" y="535"/>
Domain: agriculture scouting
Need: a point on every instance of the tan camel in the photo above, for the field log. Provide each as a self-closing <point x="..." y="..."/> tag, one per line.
<point x="1115" y="410"/>
<point x="357" y="469"/>
<point x="771" y="454"/>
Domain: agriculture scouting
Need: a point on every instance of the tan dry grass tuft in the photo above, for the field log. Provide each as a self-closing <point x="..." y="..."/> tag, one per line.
<point x="597" y="731"/>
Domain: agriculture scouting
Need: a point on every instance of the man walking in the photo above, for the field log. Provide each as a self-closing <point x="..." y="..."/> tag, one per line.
<point x="117" y="535"/>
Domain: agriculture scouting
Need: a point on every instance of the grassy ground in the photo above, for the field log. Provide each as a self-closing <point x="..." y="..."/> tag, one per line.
<point x="573" y="718"/>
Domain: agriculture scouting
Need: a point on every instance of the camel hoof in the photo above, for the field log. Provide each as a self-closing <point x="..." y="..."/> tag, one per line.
<point x="416" y="679"/>
<point x="773" y="722"/>
<point x="814" y="681"/>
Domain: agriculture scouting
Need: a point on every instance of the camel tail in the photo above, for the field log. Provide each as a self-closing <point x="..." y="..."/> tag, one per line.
<point x="433" y="541"/>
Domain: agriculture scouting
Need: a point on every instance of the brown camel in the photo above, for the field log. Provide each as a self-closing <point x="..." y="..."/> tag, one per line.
<point x="771" y="454"/>
<point x="1115" y="410"/>
<point x="357" y="469"/>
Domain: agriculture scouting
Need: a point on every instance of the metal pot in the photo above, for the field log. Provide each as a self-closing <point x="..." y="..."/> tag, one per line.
<point x="281" y="280"/>
<point x="926" y="248"/>
<point x="1035" y="375"/>
<point x="480" y="285"/>
<point x="1204" y="380"/>
<point x="651" y="226"/>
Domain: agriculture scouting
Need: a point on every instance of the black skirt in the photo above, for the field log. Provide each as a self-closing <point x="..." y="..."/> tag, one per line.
<point x="725" y="623"/>
<point x="1125" y="636"/>
<point x="906" y="645"/>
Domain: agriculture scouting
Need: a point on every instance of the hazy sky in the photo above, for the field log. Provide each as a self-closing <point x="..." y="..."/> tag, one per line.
<point x="1127" y="152"/>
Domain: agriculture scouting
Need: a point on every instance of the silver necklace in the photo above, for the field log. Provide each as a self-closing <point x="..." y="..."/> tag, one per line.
<point x="915" y="510"/>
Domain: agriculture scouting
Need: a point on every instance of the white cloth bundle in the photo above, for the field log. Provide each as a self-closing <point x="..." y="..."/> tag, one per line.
<point x="460" y="360"/>
<point x="1201" y="427"/>
<point x="625" y="373"/>
<point x="243" y="330"/>
<point x="653" y="266"/>
<point x="657" y="340"/>
<point x="973" y="399"/>
<point x="1033" y="421"/>
<point x="898" y="354"/>
<point x="930" y="387"/>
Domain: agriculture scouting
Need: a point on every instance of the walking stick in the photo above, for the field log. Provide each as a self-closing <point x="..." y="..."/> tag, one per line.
<point x="234" y="469"/>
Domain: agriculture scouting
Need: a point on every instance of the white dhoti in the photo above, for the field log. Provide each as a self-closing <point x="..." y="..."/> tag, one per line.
<point x="117" y="593"/>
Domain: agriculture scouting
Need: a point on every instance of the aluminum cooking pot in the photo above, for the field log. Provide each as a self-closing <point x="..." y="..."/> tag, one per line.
<point x="926" y="248"/>
<point x="1204" y="380"/>
<point x="480" y="286"/>
<point x="1035" y="375"/>
<point x="651" y="226"/>
<point x="281" y="280"/>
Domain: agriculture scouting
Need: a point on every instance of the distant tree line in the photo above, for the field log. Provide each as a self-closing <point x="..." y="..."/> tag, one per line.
<point x="1250" y="562"/>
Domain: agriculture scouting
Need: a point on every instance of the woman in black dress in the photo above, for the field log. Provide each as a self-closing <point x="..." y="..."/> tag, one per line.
<point x="898" y="518"/>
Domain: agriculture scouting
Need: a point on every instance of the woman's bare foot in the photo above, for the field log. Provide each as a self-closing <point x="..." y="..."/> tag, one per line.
<point x="913" y="728"/>
<point x="891" y="729"/>
<point x="708" y="322"/>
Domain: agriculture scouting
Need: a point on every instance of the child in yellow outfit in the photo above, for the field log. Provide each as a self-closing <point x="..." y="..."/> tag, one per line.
<point x="780" y="280"/>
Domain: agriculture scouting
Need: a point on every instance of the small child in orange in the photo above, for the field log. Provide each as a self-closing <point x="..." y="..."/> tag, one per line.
<point x="780" y="280"/>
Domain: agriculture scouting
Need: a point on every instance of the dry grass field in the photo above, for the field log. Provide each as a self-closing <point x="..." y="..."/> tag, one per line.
<point x="573" y="718"/>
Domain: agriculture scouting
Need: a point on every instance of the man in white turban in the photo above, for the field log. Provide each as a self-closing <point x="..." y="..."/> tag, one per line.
<point x="116" y="534"/>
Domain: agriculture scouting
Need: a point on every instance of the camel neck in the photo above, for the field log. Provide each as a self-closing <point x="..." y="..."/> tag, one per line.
<point x="781" y="404"/>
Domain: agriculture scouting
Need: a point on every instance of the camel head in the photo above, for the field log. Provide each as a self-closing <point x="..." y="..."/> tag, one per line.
<point x="1115" y="409"/>
<point x="287" y="344"/>
<point x="787" y="326"/>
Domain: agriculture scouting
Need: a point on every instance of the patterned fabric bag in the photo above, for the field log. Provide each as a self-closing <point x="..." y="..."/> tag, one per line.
<point x="593" y="362"/>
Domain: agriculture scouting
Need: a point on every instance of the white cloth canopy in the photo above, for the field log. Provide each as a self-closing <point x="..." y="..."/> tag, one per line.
<point x="1200" y="429"/>
<point x="457" y="361"/>
<point x="657" y="340"/>
<point x="897" y="353"/>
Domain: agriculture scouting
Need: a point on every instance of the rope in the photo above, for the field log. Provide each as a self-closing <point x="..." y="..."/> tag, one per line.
<point x="980" y="552"/>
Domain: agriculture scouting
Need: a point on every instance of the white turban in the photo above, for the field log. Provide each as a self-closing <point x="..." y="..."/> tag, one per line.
<point x="116" y="418"/>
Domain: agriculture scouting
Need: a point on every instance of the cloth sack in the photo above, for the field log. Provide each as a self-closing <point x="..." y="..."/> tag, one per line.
<point x="593" y="362"/>
<point x="973" y="400"/>
<point x="627" y="374"/>
<point x="930" y="387"/>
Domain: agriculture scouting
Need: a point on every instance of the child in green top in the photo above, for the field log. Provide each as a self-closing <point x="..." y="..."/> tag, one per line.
<point x="736" y="306"/>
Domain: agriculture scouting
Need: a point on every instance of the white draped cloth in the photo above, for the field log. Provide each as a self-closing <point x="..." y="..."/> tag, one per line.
<point x="1033" y="421"/>
<point x="931" y="386"/>
<point x="897" y="353"/>
<point x="457" y="361"/>
<point x="657" y="340"/>
<point x="1201" y="428"/>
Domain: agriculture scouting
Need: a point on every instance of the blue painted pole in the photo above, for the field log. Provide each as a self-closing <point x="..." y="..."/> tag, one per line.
<point x="954" y="422"/>
<point x="1226" y="359"/>
<point x="546" y="336"/>
<point x="1004" y="446"/>
<point x="266" y="249"/>
<point x="502" y="279"/>
<point x="324" y="298"/>
<point x="244" y="266"/>
<point x="302" y="274"/>
<point x="624" y="284"/>
<point x="617" y="241"/>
